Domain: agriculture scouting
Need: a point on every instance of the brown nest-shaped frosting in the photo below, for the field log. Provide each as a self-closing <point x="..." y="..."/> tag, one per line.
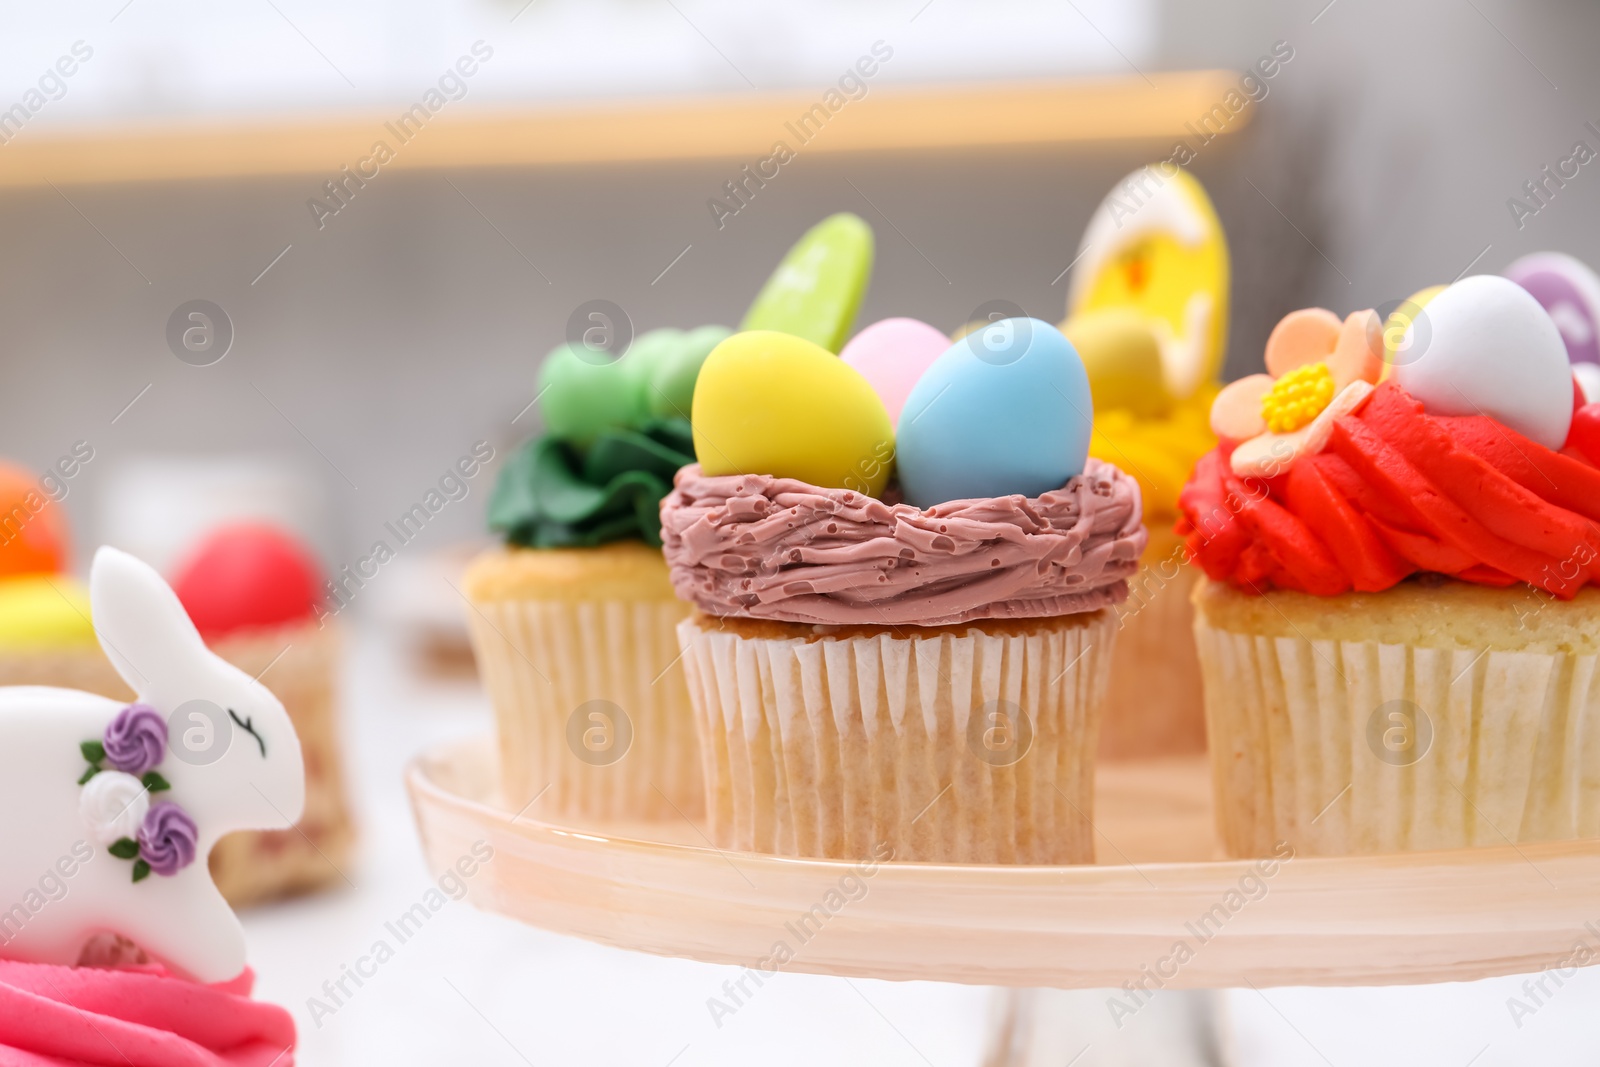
<point x="774" y="548"/>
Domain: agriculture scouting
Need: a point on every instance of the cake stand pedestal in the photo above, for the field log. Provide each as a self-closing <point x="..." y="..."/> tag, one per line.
<point x="1157" y="912"/>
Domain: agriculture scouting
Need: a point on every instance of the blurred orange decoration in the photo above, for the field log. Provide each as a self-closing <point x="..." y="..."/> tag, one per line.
<point x="248" y="576"/>
<point x="33" y="527"/>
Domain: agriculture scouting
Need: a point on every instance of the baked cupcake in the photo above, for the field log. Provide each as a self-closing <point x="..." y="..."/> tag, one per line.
<point x="912" y="667"/>
<point x="1397" y="631"/>
<point x="1147" y="309"/>
<point x="255" y="594"/>
<point x="574" y="619"/>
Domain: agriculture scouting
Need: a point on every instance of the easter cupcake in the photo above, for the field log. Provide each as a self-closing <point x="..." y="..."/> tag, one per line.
<point x="1147" y="309"/>
<point x="255" y="594"/>
<point x="908" y="665"/>
<point x="574" y="619"/>
<point x="1398" y="631"/>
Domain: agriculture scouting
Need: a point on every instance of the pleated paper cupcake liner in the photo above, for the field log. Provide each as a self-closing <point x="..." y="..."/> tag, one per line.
<point x="590" y="706"/>
<point x="1347" y="747"/>
<point x="1154" y="706"/>
<point x="958" y="745"/>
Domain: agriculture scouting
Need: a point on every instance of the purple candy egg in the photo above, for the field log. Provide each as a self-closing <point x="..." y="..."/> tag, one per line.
<point x="1570" y="293"/>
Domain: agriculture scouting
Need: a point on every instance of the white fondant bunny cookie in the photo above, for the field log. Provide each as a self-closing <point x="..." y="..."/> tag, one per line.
<point x="109" y="811"/>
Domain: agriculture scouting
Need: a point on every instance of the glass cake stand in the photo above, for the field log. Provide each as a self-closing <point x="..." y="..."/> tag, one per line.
<point x="662" y="888"/>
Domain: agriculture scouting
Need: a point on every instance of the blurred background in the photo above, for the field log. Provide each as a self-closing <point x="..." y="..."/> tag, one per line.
<point x="371" y="332"/>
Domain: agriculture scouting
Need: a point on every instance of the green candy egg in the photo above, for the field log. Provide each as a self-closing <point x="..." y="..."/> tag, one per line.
<point x="674" y="365"/>
<point x="817" y="289"/>
<point x="581" y="396"/>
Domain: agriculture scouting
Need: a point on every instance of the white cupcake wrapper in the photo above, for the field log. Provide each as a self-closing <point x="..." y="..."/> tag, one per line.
<point x="840" y="746"/>
<point x="541" y="660"/>
<point x="1296" y="755"/>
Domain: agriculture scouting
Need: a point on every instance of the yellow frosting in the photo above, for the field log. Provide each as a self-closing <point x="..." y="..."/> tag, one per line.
<point x="1158" y="452"/>
<point x="44" y="611"/>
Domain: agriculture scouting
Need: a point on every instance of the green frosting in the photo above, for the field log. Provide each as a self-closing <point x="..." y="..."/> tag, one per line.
<point x="551" y="494"/>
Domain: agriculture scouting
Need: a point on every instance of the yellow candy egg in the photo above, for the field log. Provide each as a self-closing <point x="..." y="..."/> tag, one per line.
<point x="772" y="403"/>
<point x="1122" y="354"/>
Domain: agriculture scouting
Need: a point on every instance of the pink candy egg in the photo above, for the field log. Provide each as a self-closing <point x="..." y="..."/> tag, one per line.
<point x="891" y="355"/>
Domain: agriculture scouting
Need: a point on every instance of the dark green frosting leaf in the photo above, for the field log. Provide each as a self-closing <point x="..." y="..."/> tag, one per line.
<point x="141" y="870"/>
<point x="124" y="848"/>
<point x="155" y="783"/>
<point x="93" y="751"/>
<point x="551" y="494"/>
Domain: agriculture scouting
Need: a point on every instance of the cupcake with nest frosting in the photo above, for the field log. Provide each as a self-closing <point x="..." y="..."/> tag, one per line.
<point x="903" y="628"/>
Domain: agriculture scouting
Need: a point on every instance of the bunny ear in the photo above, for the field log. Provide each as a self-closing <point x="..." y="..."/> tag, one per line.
<point x="140" y="622"/>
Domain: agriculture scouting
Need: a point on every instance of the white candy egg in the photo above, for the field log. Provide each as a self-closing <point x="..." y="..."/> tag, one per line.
<point x="1484" y="346"/>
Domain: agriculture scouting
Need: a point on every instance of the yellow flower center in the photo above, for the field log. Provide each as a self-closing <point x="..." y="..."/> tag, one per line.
<point x="1297" y="398"/>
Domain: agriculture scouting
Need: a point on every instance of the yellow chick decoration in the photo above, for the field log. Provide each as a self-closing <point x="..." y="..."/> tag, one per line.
<point x="1155" y="245"/>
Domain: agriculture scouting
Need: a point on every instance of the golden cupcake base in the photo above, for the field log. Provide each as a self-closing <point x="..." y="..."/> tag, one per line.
<point x="1432" y="715"/>
<point x="577" y="650"/>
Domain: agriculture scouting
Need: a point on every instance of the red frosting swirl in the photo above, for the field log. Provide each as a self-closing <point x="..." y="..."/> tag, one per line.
<point x="775" y="548"/>
<point x="1397" y="492"/>
<point x="81" y="1016"/>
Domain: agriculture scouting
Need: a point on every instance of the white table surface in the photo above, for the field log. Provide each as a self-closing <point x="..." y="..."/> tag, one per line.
<point x="472" y="988"/>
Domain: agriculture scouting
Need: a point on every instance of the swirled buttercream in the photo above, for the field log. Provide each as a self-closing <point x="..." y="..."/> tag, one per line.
<point x="1399" y="492"/>
<point x="756" y="546"/>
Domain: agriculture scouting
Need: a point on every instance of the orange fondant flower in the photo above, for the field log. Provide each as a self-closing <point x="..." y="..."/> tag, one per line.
<point x="1318" y="369"/>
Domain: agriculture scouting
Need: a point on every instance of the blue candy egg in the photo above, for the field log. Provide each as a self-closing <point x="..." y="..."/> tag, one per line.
<point x="1004" y="410"/>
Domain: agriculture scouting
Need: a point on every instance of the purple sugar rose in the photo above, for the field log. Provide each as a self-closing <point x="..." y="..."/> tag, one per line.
<point x="168" y="839"/>
<point x="136" y="740"/>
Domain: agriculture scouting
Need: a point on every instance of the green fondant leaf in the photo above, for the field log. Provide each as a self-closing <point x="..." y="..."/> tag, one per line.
<point x="93" y="751"/>
<point x="155" y="783"/>
<point x="617" y="454"/>
<point x="88" y="774"/>
<point x="124" y="848"/>
<point x="141" y="871"/>
<point x="549" y="495"/>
